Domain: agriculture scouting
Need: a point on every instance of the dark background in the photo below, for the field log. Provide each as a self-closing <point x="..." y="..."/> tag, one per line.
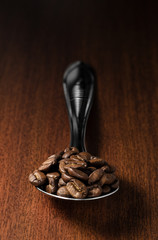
<point x="38" y="40"/>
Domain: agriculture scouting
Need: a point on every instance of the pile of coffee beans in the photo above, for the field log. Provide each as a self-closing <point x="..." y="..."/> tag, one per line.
<point x="75" y="174"/>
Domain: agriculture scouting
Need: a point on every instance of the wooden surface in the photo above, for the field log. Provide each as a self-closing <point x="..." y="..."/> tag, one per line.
<point x="38" y="39"/>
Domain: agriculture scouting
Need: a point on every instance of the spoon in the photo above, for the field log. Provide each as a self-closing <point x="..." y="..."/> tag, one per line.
<point x="78" y="84"/>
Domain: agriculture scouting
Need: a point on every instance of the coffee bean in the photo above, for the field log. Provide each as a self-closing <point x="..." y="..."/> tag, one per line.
<point x="62" y="191"/>
<point x="53" y="182"/>
<point x="106" y="189"/>
<point x="37" y="178"/>
<point x="77" y="174"/>
<point x="115" y="185"/>
<point x="108" y="169"/>
<point x="65" y="160"/>
<point x="74" y="149"/>
<point x="77" y="162"/>
<point x="46" y="165"/>
<point x="61" y="166"/>
<point x="51" y="188"/>
<point x="75" y="165"/>
<point x="66" y="177"/>
<point x="53" y="177"/>
<point x="95" y="176"/>
<point x="68" y="160"/>
<point x="64" y="165"/>
<point x="67" y="154"/>
<point x="61" y="183"/>
<point x="85" y="155"/>
<point x="94" y="190"/>
<point x="76" y="157"/>
<point x="67" y="149"/>
<point x="97" y="162"/>
<point x="77" y="189"/>
<point x="107" y="178"/>
<point x="52" y="156"/>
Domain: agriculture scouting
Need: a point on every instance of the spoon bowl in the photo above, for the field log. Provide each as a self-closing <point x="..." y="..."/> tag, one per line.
<point x="78" y="199"/>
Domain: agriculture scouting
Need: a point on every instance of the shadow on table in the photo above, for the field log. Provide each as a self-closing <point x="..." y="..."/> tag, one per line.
<point x="124" y="213"/>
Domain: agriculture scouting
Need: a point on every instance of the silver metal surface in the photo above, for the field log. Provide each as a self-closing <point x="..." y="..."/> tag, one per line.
<point x="78" y="199"/>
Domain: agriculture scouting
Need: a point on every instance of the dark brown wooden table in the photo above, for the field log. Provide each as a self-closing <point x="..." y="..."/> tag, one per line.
<point x="38" y="40"/>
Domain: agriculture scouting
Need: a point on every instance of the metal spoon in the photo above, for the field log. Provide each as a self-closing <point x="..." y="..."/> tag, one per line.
<point x="78" y="84"/>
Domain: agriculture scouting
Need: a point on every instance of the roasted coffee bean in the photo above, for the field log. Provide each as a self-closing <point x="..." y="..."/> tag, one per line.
<point x="61" y="166"/>
<point x="67" y="149"/>
<point x="67" y="154"/>
<point x="107" y="178"/>
<point x="94" y="190"/>
<point x="64" y="165"/>
<point x="74" y="149"/>
<point x="66" y="177"/>
<point x="76" y="157"/>
<point x="76" y="188"/>
<point x="115" y="184"/>
<point x="85" y="155"/>
<point x="53" y="182"/>
<point x="61" y="183"/>
<point x="95" y="176"/>
<point x="97" y="162"/>
<point x="75" y="165"/>
<point x="77" y="174"/>
<point x="77" y="162"/>
<point x="37" y="178"/>
<point x="52" y="156"/>
<point x="106" y="168"/>
<point x="53" y="177"/>
<point x="63" y="192"/>
<point x="46" y="165"/>
<point x="51" y="188"/>
<point x="67" y="160"/>
<point x="106" y="189"/>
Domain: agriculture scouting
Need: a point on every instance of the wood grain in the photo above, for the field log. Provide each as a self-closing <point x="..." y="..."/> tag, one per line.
<point x="38" y="39"/>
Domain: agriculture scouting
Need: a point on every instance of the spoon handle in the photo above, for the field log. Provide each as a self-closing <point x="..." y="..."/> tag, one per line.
<point x="78" y="84"/>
